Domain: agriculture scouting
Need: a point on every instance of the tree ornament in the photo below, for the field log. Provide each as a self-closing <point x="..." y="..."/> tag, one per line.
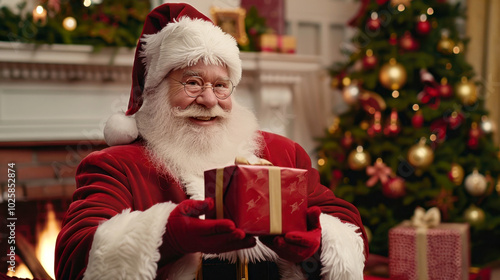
<point x="392" y="75"/>
<point x="393" y="39"/>
<point x="456" y="174"/>
<point x="334" y="126"/>
<point x="474" y="215"/>
<point x="408" y="43"/>
<point x="474" y="135"/>
<point x="372" y="102"/>
<point x="455" y="119"/>
<point x="430" y="94"/>
<point x="420" y="155"/>
<point x="69" y="23"/>
<point x="351" y="93"/>
<point x="487" y="126"/>
<point x="445" y="90"/>
<point x="423" y="25"/>
<point x="358" y="159"/>
<point x="373" y="22"/>
<point x="369" y="60"/>
<point x="417" y="120"/>
<point x="445" y="44"/>
<point x="444" y="201"/>
<point x="393" y="126"/>
<point x="376" y="127"/>
<point x="466" y="91"/>
<point x="347" y="140"/>
<point x="475" y="183"/>
<point x="378" y="172"/>
<point x="394" y="188"/>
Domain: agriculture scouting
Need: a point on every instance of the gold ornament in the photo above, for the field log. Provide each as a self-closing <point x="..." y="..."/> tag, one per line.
<point x="445" y="45"/>
<point x="456" y="174"/>
<point x="392" y="75"/>
<point x="474" y="215"/>
<point x="420" y="155"/>
<point x="358" y="159"/>
<point x="466" y="91"/>
<point x="475" y="183"/>
<point x="351" y="93"/>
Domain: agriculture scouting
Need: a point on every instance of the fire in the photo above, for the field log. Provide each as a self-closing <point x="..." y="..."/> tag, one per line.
<point x="47" y="241"/>
<point x="22" y="271"/>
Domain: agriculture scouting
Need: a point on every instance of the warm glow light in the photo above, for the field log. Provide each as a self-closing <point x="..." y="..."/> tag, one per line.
<point x="47" y="241"/>
<point x="22" y="271"/>
<point x="415" y="107"/>
<point x="456" y="50"/>
<point x="69" y="23"/>
<point x="321" y="162"/>
<point x="87" y="3"/>
<point x="401" y="7"/>
<point x="430" y="11"/>
<point x="39" y="9"/>
<point x="395" y="94"/>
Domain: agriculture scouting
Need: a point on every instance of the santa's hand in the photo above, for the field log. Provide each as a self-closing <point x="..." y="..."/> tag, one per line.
<point x="297" y="246"/>
<point x="187" y="233"/>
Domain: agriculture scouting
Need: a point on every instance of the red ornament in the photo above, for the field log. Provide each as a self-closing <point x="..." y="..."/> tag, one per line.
<point x="393" y="126"/>
<point x="347" y="140"/>
<point x="474" y="134"/>
<point x="394" y="188"/>
<point x="408" y="43"/>
<point x="423" y="26"/>
<point x="373" y="23"/>
<point x="369" y="60"/>
<point x="455" y="120"/>
<point x="417" y="120"/>
<point x="376" y="126"/>
<point x="445" y="90"/>
<point x="393" y="40"/>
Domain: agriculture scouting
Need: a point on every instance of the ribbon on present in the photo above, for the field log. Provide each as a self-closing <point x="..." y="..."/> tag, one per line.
<point x="423" y="220"/>
<point x="378" y="172"/>
<point x="274" y="175"/>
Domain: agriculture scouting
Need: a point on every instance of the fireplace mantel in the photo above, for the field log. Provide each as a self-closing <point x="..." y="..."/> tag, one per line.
<point x="67" y="92"/>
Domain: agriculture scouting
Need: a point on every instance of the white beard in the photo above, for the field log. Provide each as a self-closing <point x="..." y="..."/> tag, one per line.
<point x="186" y="150"/>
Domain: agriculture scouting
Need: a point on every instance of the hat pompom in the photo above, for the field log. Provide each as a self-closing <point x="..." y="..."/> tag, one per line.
<point x="120" y="130"/>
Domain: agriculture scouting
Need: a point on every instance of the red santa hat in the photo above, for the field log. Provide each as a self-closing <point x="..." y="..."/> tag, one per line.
<point x="174" y="36"/>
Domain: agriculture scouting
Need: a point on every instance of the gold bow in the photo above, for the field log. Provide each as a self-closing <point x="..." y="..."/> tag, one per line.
<point x="423" y="219"/>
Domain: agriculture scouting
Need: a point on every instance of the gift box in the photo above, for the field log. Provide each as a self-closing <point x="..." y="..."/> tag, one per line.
<point x="423" y="252"/>
<point x="277" y="43"/>
<point x="261" y="200"/>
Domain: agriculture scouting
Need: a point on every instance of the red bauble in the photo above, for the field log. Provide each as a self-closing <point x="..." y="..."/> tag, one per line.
<point x="393" y="40"/>
<point x="369" y="62"/>
<point x="474" y="134"/>
<point x="373" y="24"/>
<point x="445" y="90"/>
<point x="423" y="27"/>
<point x="394" y="188"/>
<point x="347" y="140"/>
<point x="408" y="43"/>
<point x="417" y="120"/>
<point x="455" y="120"/>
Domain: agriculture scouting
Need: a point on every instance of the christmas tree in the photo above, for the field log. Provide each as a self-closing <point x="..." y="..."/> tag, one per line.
<point x="416" y="132"/>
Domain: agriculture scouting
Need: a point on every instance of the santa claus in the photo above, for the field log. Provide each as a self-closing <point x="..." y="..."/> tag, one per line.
<point x="136" y="211"/>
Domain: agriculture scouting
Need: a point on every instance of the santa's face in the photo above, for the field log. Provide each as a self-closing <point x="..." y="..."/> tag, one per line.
<point x="209" y="74"/>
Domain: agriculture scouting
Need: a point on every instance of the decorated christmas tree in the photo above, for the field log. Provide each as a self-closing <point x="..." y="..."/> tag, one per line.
<point x="416" y="133"/>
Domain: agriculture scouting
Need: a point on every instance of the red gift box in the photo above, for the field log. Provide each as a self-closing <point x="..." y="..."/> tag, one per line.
<point x="261" y="200"/>
<point x="441" y="252"/>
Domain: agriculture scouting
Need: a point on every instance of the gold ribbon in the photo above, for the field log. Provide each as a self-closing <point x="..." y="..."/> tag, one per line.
<point x="423" y="220"/>
<point x="275" y="215"/>
<point x="219" y="193"/>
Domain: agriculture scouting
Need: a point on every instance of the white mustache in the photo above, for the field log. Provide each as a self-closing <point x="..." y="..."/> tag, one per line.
<point x="195" y="110"/>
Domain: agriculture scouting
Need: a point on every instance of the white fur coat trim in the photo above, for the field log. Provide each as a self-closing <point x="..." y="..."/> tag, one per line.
<point x="342" y="252"/>
<point x="127" y="246"/>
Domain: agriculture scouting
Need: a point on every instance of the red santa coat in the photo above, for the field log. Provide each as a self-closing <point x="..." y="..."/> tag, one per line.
<point x="114" y="226"/>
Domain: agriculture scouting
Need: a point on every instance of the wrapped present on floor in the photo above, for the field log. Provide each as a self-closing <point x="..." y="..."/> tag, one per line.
<point x="261" y="200"/>
<point x="424" y="248"/>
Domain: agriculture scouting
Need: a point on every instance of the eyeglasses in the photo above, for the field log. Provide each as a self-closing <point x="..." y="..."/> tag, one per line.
<point x="195" y="85"/>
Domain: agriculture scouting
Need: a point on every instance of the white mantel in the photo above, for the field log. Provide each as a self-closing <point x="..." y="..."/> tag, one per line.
<point x="67" y="92"/>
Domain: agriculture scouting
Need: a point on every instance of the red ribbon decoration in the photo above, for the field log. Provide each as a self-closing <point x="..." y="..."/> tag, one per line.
<point x="430" y="95"/>
<point x="379" y="171"/>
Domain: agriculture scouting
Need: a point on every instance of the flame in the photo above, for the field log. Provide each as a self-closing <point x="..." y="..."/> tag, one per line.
<point x="22" y="271"/>
<point x="45" y="249"/>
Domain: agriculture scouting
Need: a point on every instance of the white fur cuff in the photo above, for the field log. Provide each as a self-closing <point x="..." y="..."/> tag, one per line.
<point x="342" y="253"/>
<point x="126" y="246"/>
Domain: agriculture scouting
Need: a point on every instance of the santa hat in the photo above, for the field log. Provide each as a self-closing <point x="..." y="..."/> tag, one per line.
<point x="174" y="36"/>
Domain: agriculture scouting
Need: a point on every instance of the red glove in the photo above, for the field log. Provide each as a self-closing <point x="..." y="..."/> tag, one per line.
<point x="187" y="233"/>
<point x="297" y="246"/>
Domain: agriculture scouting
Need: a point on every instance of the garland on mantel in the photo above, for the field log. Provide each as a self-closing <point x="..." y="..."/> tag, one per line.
<point x="108" y="23"/>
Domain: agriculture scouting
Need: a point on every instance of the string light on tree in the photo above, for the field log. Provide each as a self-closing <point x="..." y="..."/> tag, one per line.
<point x="69" y="23"/>
<point x="487" y="126"/>
<point x="40" y="15"/>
